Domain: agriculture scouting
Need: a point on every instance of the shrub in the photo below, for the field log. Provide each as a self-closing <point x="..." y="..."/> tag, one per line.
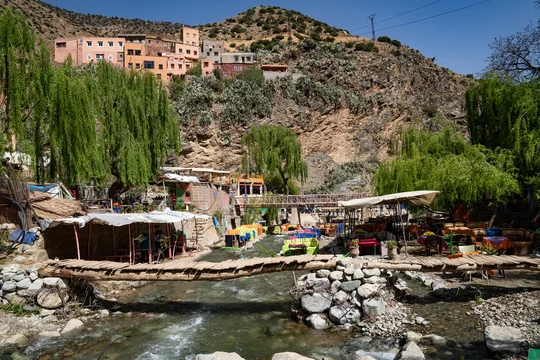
<point x="385" y="39"/>
<point x="212" y="35"/>
<point x="266" y="27"/>
<point x="369" y="46"/>
<point x="396" y="43"/>
<point x="309" y="44"/>
<point x="315" y="36"/>
<point x="469" y="76"/>
<point x="276" y="29"/>
<point x="329" y="39"/>
<point x="349" y="44"/>
<point x="233" y="45"/>
<point x="279" y="37"/>
<point x="299" y="37"/>
<point x="252" y="75"/>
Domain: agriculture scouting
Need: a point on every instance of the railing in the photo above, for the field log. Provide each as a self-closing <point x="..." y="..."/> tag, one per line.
<point x="291" y="201"/>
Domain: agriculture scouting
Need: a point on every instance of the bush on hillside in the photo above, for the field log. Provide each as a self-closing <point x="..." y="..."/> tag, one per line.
<point x="369" y="46"/>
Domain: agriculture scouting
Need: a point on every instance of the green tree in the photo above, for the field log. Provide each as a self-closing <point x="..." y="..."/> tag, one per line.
<point x="252" y="74"/>
<point x="444" y="161"/>
<point x="195" y="70"/>
<point x="275" y="150"/>
<point x="504" y="114"/>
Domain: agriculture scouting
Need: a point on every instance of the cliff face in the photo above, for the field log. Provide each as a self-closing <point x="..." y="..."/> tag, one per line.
<point x="348" y="98"/>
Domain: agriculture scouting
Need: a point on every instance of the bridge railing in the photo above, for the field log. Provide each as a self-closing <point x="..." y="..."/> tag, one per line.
<point x="286" y="201"/>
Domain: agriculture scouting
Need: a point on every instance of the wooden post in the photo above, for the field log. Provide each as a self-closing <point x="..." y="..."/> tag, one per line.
<point x="77" y="242"/>
<point x="169" y="240"/>
<point x="403" y="227"/>
<point x="130" y="248"/>
<point x="88" y="243"/>
<point x="149" y="245"/>
<point x="113" y="242"/>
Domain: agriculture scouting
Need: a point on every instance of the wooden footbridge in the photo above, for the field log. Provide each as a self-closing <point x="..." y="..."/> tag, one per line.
<point x="185" y="270"/>
<point x="296" y="201"/>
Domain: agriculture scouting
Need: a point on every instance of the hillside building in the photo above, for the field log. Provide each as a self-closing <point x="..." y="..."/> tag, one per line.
<point x="85" y="50"/>
<point x="213" y="49"/>
<point x="233" y="64"/>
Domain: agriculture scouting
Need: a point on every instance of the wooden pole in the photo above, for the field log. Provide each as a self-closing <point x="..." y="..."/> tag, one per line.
<point x="169" y="241"/>
<point x="149" y="246"/>
<point x="113" y="242"/>
<point x="403" y="228"/>
<point x="129" y="244"/>
<point x="77" y="242"/>
<point x="88" y="242"/>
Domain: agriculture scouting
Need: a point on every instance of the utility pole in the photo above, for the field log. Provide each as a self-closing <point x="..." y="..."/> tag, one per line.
<point x="370" y="17"/>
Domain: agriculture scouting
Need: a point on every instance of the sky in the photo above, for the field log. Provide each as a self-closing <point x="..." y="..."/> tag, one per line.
<point x="458" y="40"/>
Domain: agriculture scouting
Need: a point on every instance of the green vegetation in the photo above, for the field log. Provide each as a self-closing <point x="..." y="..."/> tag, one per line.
<point x="195" y="70"/>
<point x="368" y="46"/>
<point x="445" y="161"/>
<point x="274" y="150"/>
<point x="387" y="40"/>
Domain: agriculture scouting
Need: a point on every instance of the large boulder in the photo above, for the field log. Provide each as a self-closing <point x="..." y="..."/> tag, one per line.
<point x="316" y="303"/>
<point x="219" y="355"/>
<point x="411" y="351"/>
<point x="72" y="326"/>
<point x="48" y="334"/>
<point x="350" y="286"/>
<point x="335" y="286"/>
<point x="503" y="339"/>
<point x="374" y="307"/>
<point x="54" y="282"/>
<point x="318" y="284"/>
<point x="9" y="286"/>
<point x="336" y="275"/>
<point x="371" y="272"/>
<point x="367" y="290"/>
<point x="289" y="356"/>
<point x="375" y="280"/>
<point x="50" y="298"/>
<point x="340" y="297"/>
<point x="17" y="340"/>
<point x="323" y="273"/>
<point x="24" y="284"/>
<point x="317" y="321"/>
<point x="340" y="315"/>
<point x="358" y="274"/>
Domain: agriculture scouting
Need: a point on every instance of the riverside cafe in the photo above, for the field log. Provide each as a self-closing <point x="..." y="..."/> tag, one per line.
<point x="119" y="237"/>
<point x="354" y="210"/>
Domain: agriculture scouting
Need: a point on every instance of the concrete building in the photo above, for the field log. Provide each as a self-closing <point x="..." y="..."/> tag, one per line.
<point x="233" y="64"/>
<point x="188" y="46"/>
<point x="84" y="50"/>
<point x="213" y="49"/>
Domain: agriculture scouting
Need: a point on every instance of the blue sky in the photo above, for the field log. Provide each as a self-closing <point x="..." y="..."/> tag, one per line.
<point x="458" y="40"/>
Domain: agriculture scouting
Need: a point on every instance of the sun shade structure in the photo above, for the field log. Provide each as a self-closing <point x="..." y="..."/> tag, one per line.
<point x="422" y="197"/>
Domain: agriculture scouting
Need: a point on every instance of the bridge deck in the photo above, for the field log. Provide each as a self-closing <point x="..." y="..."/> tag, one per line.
<point x="185" y="270"/>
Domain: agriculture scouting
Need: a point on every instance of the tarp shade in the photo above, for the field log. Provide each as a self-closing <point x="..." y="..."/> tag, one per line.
<point x="155" y="217"/>
<point x="181" y="178"/>
<point x="423" y="197"/>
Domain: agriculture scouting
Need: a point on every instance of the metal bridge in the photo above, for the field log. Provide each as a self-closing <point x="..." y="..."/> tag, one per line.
<point x="296" y="201"/>
<point x="185" y="270"/>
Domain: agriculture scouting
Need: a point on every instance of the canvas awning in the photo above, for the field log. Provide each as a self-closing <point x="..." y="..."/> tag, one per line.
<point x="180" y="178"/>
<point x="111" y="219"/>
<point x="422" y="197"/>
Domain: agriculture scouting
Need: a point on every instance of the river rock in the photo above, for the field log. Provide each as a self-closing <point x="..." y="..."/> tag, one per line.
<point x="411" y="351"/>
<point x="318" y="284"/>
<point x="367" y="290"/>
<point x="219" y="355"/>
<point x="8" y="276"/>
<point x="349" y="270"/>
<point x="503" y="339"/>
<point x="72" y="326"/>
<point x="413" y="336"/>
<point x="54" y="282"/>
<point x="364" y="357"/>
<point x="316" y="303"/>
<point x="343" y="262"/>
<point x="336" y="275"/>
<point x="289" y="356"/>
<point x="350" y="286"/>
<point x="11" y="269"/>
<point x="33" y="276"/>
<point x="24" y="283"/>
<point x="367" y="355"/>
<point x="18" y="277"/>
<point x="371" y="272"/>
<point x="323" y="273"/>
<point x="49" y="298"/>
<point x="336" y="285"/>
<point x="17" y="340"/>
<point x="49" y="319"/>
<point x="9" y="286"/>
<point x="433" y="339"/>
<point x="374" y="307"/>
<point x="34" y="288"/>
<point x="340" y="297"/>
<point x="48" y="334"/>
<point x="317" y="321"/>
<point x="4" y="329"/>
<point x="375" y="280"/>
<point x="358" y="274"/>
<point x="17" y="300"/>
<point x="337" y="315"/>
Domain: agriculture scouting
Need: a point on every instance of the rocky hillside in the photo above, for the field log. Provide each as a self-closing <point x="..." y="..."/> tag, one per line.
<point x="346" y="98"/>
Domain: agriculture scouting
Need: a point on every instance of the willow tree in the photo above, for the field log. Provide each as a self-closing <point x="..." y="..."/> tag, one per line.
<point x="504" y="114"/>
<point x="275" y="150"/>
<point x="444" y="161"/>
<point x="17" y="50"/>
<point x="105" y="122"/>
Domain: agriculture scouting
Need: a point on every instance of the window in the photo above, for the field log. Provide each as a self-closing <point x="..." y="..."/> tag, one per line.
<point x="216" y="53"/>
<point x="138" y="52"/>
<point x="61" y="45"/>
<point x="111" y="43"/>
<point x="160" y="66"/>
<point x="110" y="57"/>
<point x="148" y="64"/>
<point x="130" y="52"/>
<point x="180" y="51"/>
<point x="208" y="53"/>
<point x="180" y="66"/>
<point x="187" y="66"/>
<point x="172" y="66"/>
<point x="194" y="52"/>
<point x="130" y="66"/>
<point x="120" y="56"/>
<point x="88" y="43"/>
<point x="248" y="58"/>
<point x="193" y="43"/>
<point x="236" y="59"/>
<point x="157" y="42"/>
<point x="137" y="66"/>
<point x="188" y="51"/>
<point x="149" y="41"/>
<point x="238" y="68"/>
<point x="120" y="44"/>
<point x="100" y="56"/>
<point x="205" y="64"/>
<point x="89" y="57"/>
<point x="158" y="76"/>
<point x="100" y="43"/>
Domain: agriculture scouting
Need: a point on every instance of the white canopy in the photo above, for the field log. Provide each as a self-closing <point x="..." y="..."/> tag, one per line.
<point x="155" y="217"/>
<point x="423" y="197"/>
<point x="181" y="178"/>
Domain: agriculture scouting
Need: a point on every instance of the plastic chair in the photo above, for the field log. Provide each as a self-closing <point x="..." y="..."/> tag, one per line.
<point x="466" y="249"/>
<point x="433" y="242"/>
<point x="449" y="240"/>
<point x="534" y="354"/>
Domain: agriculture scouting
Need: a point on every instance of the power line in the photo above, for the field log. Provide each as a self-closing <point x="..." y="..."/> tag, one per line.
<point x="429" y="17"/>
<point x="393" y="17"/>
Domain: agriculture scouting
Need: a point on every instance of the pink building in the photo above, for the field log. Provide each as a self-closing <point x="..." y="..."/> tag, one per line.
<point x="84" y="50"/>
<point x="207" y="67"/>
<point x="177" y="65"/>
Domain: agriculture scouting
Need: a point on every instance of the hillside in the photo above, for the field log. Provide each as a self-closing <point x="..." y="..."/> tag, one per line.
<point x="348" y="99"/>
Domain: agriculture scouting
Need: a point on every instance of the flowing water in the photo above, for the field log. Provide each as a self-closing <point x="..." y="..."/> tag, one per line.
<point x="249" y="316"/>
